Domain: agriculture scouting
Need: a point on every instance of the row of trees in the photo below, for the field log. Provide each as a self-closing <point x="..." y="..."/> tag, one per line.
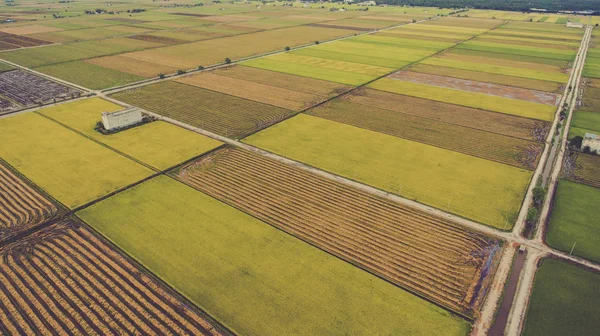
<point x="514" y="5"/>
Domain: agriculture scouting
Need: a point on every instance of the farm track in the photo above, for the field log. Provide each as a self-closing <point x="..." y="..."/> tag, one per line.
<point x="21" y="206"/>
<point x="64" y="280"/>
<point x="392" y="241"/>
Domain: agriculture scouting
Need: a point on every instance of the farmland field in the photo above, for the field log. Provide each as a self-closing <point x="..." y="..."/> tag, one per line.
<point x="268" y="93"/>
<point x="158" y="144"/>
<point x="317" y="210"/>
<point x="468" y="99"/>
<point x="256" y="279"/>
<point x="499" y="148"/>
<point x="573" y="220"/>
<point x="565" y="301"/>
<point x="89" y="75"/>
<point x="63" y="279"/>
<point x="220" y="113"/>
<point x="68" y="166"/>
<point x="586" y="169"/>
<point x="22" y="207"/>
<point x="430" y="175"/>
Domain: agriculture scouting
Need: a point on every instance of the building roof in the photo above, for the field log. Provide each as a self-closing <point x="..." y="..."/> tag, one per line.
<point x="591" y="136"/>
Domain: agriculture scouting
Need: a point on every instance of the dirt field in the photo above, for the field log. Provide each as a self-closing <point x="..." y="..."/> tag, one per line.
<point x="500" y="148"/>
<point x="420" y="253"/>
<point x="21" y="206"/>
<point x="481" y="87"/>
<point x="64" y="280"/>
<point x="487" y="121"/>
<point x="132" y="66"/>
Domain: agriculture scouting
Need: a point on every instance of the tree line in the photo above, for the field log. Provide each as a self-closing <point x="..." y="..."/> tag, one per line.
<point x="513" y="5"/>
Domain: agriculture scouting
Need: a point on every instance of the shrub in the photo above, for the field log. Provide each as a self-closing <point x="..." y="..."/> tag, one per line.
<point x="576" y="142"/>
<point x="200" y="67"/>
<point x="287" y="48"/>
<point x="180" y="72"/>
<point x="532" y="215"/>
<point x="161" y="75"/>
<point x="317" y="42"/>
<point x="227" y="61"/>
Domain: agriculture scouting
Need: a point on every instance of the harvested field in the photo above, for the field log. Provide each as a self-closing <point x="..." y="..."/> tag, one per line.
<point x="586" y="169"/>
<point x="285" y="81"/>
<point x="483" y="190"/>
<point x="416" y="251"/>
<point x="216" y="112"/>
<point x="35" y="57"/>
<point x="499" y="123"/>
<point x="526" y="83"/>
<point x="132" y="66"/>
<point x="65" y="280"/>
<point x="256" y="279"/>
<point x="267" y="94"/>
<point x="21" y="205"/>
<point x="566" y="55"/>
<point x="125" y="20"/>
<point x="500" y="148"/>
<point x="469" y="99"/>
<point x="27" y="89"/>
<point x="325" y="25"/>
<point x="481" y="87"/>
<point x="157" y="39"/>
<point x="485" y="58"/>
<point x="29" y="29"/>
<point x="22" y="41"/>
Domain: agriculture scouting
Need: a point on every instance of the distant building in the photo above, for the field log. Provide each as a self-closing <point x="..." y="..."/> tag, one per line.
<point x="537" y="10"/>
<point x="592" y="141"/>
<point x="367" y="3"/>
<point x="574" y="24"/>
<point x="115" y="120"/>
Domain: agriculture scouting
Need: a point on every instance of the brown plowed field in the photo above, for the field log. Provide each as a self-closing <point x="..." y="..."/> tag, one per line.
<point x="21" y="206"/>
<point x="480" y="87"/>
<point x="525" y="83"/>
<point x="63" y="280"/>
<point x="453" y="114"/>
<point x="421" y="253"/>
<point x="587" y="169"/>
<point x="213" y="111"/>
<point x="271" y="94"/>
<point x="490" y="146"/>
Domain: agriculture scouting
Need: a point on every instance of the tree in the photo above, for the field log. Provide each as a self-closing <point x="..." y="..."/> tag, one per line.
<point x="539" y="194"/>
<point x="576" y="142"/>
<point x="532" y="215"/>
<point x="180" y="72"/>
<point x="317" y="42"/>
<point x="200" y="67"/>
<point x="287" y="48"/>
<point x="586" y="149"/>
<point x="161" y="75"/>
<point x="227" y="61"/>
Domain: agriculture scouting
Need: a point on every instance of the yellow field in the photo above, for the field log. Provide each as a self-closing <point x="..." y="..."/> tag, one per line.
<point x="470" y="99"/>
<point x="132" y="66"/>
<point x="482" y="190"/>
<point x="158" y="144"/>
<point x="73" y="169"/>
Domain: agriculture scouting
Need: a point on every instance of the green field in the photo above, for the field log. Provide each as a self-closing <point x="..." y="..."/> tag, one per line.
<point x="567" y="55"/>
<point x="478" y="189"/>
<point x="470" y="99"/>
<point x="251" y="277"/>
<point x="497" y="69"/>
<point x="36" y="57"/>
<point x="379" y="40"/>
<point x="158" y="144"/>
<point x="573" y="220"/>
<point x="565" y="301"/>
<point x="354" y="58"/>
<point x="88" y="75"/>
<point x="587" y="120"/>
<point x="73" y="169"/>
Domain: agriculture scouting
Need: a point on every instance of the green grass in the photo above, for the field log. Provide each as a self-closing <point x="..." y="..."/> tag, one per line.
<point x="498" y="69"/>
<point x="470" y="99"/>
<point x="251" y="277"/>
<point x="89" y="75"/>
<point x="114" y="45"/>
<point x="574" y="220"/>
<point x="588" y="120"/>
<point x="5" y="67"/>
<point x="401" y="42"/>
<point x="479" y="189"/>
<point x="158" y="144"/>
<point x="35" y="57"/>
<point x="73" y="169"/>
<point x="565" y="301"/>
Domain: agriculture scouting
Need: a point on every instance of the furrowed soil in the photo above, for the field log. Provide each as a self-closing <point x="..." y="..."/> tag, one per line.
<point x="21" y="206"/>
<point x="416" y="251"/>
<point x="481" y="87"/>
<point x="216" y="112"/>
<point x="65" y="280"/>
<point x="500" y="148"/>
